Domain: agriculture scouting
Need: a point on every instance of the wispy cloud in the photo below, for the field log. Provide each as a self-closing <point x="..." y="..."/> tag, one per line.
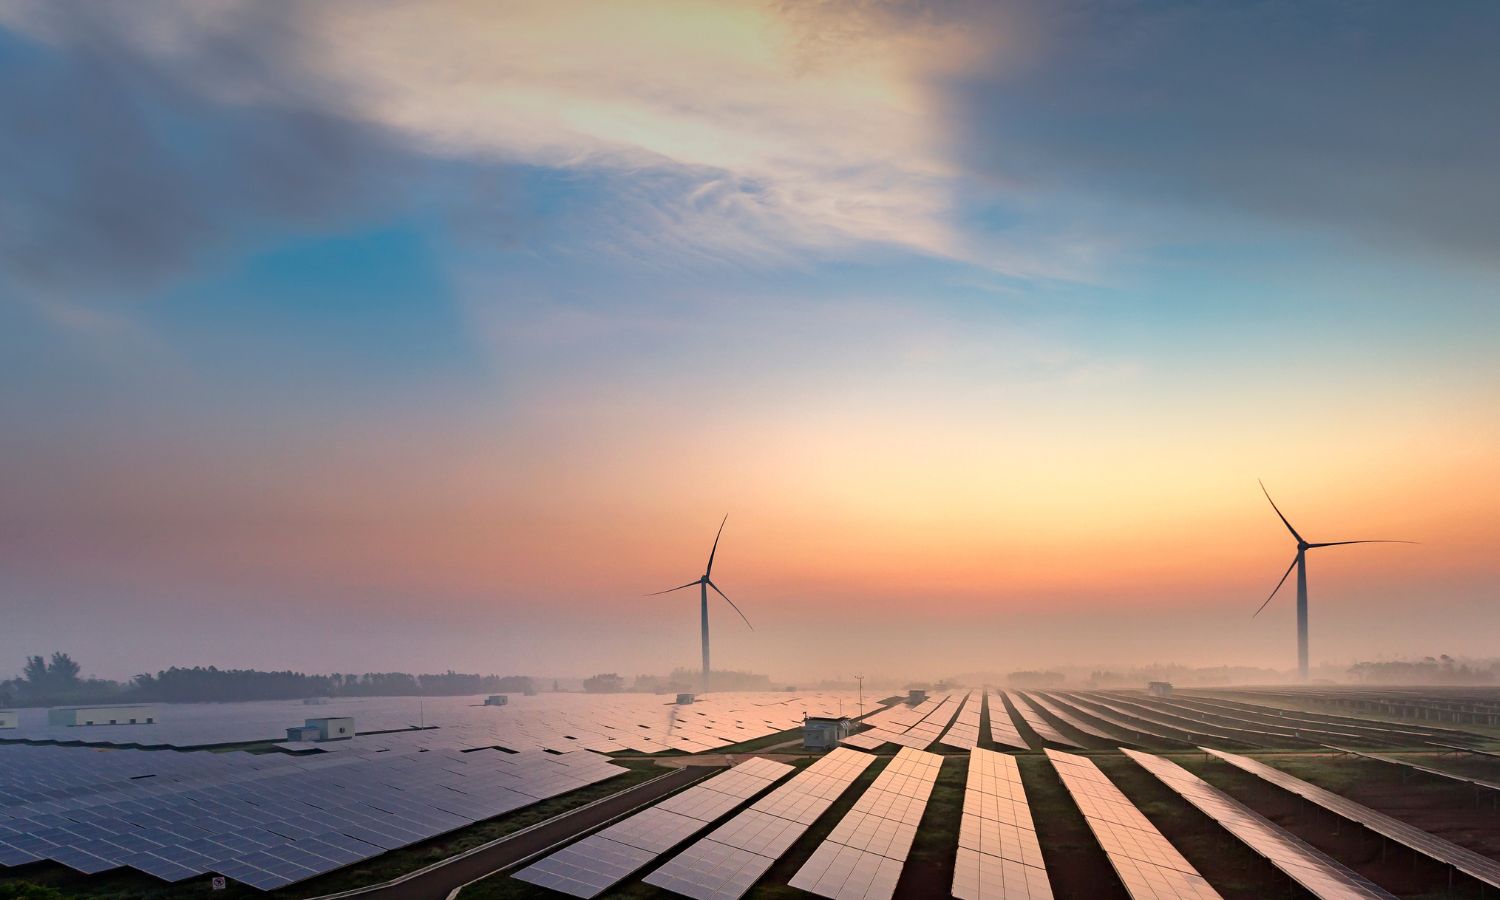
<point x="779" y="127"/>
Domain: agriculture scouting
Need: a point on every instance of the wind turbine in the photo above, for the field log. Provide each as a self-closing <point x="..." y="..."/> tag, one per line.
<point x="704" y="584"/>
<point x="1299" y="562"/>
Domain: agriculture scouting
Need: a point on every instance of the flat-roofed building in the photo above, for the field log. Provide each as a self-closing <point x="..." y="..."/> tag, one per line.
<point x="72" y="716"/>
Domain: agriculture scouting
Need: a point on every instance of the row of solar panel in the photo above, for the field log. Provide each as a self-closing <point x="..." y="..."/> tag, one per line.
<point x="999" y="855"/>
<point x="268" y="820"/>
<point x="556" y="721"/>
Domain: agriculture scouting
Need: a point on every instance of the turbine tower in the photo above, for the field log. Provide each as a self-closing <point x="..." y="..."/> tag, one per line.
<point x="1299" y="562"/>
<point x="704" y="584"/>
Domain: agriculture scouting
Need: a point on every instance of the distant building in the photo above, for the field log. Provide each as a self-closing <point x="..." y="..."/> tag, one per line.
<point x="71" y="716"/>
<point x="496" y="700"/>
<point x="1160" y="688"/>
<point x="915" y="696"/>
<point x="820" y="733"/>
<point x="335" y="728"/>
<point x="685" y="699"/>
<point x="9" y="718"/>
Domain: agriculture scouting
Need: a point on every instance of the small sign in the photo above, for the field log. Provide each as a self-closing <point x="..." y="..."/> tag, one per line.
<point x="220" y="882"/>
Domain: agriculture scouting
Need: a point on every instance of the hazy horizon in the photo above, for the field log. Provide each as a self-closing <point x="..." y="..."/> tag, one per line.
<point x="340" y="337"/>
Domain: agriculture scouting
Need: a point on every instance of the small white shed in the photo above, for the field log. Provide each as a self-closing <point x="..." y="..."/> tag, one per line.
<point x="335" y="728"/>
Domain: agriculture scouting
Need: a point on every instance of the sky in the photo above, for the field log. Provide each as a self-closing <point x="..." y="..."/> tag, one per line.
<point x="352" y="336"/>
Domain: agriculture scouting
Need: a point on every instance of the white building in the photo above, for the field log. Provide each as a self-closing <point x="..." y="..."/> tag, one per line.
<point x="9" y="718"/>
<point x="70" y="716"/>
<point x="332" y="729"/>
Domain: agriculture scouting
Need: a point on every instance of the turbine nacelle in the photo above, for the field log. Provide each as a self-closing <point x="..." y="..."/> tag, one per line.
<point x="704" y="582"/>
<point x="1299" y="562"/>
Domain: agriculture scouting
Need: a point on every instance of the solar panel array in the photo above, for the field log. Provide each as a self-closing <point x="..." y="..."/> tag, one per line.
<point x="1003" y="729"/>
<point x="267" y="820"/>
<point x="864" y="854"/>
<point x="1464" y="860"/>
<point x="1288" y="726"/>
<point x="1319" y="873"/>
<point x="608" y="724"/>
<point x="1279" y="714"/>
<point x="999" y="857"/>
<point x="1041" y="726"/>
<point x="1194" y="728"/>
<point x="1418" y="767"/>
<point x="910" y="726"/>
<point x="727" y="862"/>
<point x="1070" y="716"/>
<point x="1129" y="724"/>
<point x="562" y="722"/>
<point x="605" y="858"/>
<point x="964" y="733"/>
<point x="1147" y="863"/>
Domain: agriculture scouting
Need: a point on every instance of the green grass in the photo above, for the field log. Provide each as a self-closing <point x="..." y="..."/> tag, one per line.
<point x="131" y="885"/>
<point x="929" y="867"/>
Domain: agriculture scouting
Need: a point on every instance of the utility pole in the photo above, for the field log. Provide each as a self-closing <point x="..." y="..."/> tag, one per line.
<point x="861" y="680"/>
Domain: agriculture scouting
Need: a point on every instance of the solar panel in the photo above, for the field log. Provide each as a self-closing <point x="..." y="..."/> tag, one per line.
<point x="964" y="733"/>
<point x="1132" y="725"/>
<point x="175" y="815"/>
<point x="1070" y="716"/>
<point x="1296" y="725"/>
<point x="1464" y="860"/>
<point x="1147" y="863"/>
<point x="909" y="726"/>
<point x="1041" y="726"/>
<point x="605" y="858"/>
<point x="730" y="859"/>
<point x="1319" y="873"/>
<point x="998" y="852"/>
<point x="864" y="854"/>
<point x="1175" y="726"/>
<point x="1003" y="729"/>
<point x="1293" y="731"/>
<point x="1418" y="767"/>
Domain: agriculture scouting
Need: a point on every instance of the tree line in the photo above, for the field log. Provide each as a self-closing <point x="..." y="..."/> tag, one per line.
<point x="48" y="682"/>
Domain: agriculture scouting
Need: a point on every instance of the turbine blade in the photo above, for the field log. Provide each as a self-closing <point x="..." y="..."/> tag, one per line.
<point x="1342" y="543"/>
<point x="731" y="603"/>
<point x="678" y="588"/>
<point x="710" y="570"/>
<point x="1278" y="586"/>
<point x="1278" y="512"/>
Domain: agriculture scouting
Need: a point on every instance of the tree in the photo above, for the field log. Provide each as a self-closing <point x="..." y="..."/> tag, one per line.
<point x="609" y="683"/>
<point x="35" y="672"/>
<point x="63" y="672"/>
